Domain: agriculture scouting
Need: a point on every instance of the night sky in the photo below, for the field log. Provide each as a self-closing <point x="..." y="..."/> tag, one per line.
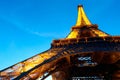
<point x="27" y="27"/>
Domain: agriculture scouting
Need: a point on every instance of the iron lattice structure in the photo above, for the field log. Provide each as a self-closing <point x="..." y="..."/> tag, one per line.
<point x="86" y="53"/>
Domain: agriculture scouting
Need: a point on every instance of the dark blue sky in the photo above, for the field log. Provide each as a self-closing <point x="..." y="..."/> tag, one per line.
<point x="27" y="27"/>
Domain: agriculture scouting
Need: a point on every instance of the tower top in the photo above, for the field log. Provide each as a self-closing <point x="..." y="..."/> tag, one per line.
<point x="80" y="5"/>
<point x="82" y="19"/>
<point x="83" y="27"/>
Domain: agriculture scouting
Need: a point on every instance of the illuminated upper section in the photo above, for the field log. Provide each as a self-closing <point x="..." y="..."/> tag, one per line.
<point x="82" y="18"/>
<point x="84" y="28"/>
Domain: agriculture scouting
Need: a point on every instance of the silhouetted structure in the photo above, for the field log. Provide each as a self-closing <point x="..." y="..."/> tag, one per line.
<point x="87" y="53"/>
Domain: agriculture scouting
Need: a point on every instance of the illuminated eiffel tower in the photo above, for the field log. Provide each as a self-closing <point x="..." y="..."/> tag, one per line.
<point x="87" y="53"/>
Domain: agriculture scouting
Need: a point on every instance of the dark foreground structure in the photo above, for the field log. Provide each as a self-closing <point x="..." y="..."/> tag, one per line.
<point x="87" y="53"/>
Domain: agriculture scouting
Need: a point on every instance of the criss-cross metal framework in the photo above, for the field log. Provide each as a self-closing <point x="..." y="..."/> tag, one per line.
<point x="93" y="49"/>
<point x="86" y="53"/>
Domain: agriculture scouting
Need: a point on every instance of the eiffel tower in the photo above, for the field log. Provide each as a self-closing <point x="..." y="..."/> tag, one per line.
<point x="87" y="53"/>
